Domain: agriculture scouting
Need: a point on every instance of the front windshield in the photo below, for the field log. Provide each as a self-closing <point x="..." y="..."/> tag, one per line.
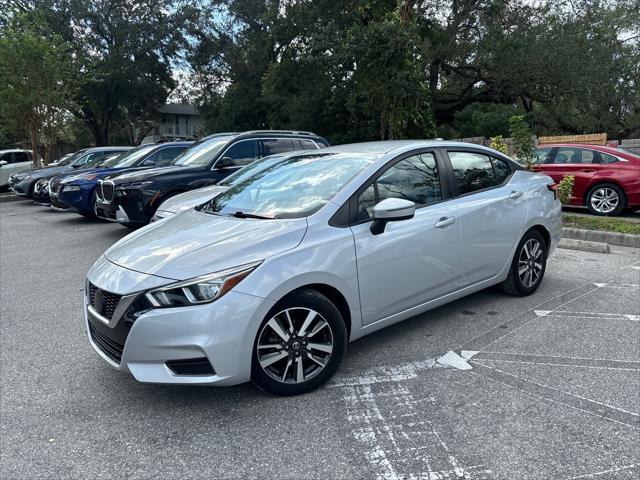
<point x="70" y="159"/>
<point x="294" y="188"/>
<point x="251" y="169"/>
<point x="129" y="158"/>
<point x="203" y="151"/>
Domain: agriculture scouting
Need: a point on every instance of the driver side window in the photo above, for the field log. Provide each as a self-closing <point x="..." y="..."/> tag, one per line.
<point x="414" y="178"/>
<point x="242" y="153"/>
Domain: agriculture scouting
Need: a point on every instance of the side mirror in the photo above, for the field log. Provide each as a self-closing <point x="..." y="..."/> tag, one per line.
<point x="224" y="162"/>
<point x="3" y="162"/>
<point x="53" y="164"/>
<point x="148" y="163"/>
<point x="391" y="210"/>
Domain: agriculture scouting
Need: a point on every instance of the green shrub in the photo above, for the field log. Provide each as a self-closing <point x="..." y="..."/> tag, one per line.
<point x="498" y="143"/>
<point x="565" y="187"/>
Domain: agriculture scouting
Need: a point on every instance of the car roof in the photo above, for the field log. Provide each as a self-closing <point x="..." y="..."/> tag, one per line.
<point x="398" y="146"/>
<point x="264" y="133"/>
<point x="9" y="150"/>
<point x="107" y="149"/>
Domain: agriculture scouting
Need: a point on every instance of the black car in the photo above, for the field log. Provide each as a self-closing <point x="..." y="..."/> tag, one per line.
<point x="132" y="198"/>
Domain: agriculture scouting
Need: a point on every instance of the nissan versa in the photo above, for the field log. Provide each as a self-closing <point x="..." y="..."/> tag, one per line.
<point x="271" y="279"/>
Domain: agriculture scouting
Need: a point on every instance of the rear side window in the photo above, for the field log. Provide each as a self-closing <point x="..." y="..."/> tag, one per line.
<point x="472" y="171"/>
<point x="277" y="145"/>
<point x="606" y="158"/>
<point x="575" y="156"/>
<point x="501" y="170"/>
<point x="305" y="144"/>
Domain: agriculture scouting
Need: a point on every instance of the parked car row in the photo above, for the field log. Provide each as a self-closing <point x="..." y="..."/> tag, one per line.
<point x="606" y="179"/>
<point x="127" y="184"/>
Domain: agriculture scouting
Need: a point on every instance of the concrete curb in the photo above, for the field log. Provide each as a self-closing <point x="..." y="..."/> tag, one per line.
<point x="612" y="238"/>
<point x="584" y="245"/>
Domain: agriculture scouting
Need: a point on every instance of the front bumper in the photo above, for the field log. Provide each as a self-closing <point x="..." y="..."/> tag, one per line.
<point x="223" y="331"/>
<point x="21" y="189"/>
<point x="128" y="210"/>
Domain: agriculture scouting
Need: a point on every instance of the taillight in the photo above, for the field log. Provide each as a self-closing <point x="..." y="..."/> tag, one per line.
<point x="554" y="188"/>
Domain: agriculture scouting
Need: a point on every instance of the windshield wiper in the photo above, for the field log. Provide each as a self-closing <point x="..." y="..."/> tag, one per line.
<point x="249" y="215"/>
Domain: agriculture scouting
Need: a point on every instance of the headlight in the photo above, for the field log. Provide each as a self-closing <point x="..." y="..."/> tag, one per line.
<point x="71" y="188"/>
<point x="134" y="185"/>
<point x="200" y="290"/>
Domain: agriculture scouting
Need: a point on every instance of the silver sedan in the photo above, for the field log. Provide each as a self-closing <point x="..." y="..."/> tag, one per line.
<point x="269" y="280"/>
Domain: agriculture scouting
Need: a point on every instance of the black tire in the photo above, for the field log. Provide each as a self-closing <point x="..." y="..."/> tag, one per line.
<point x="300" y="301"/>
<point x="91" y="214"/>
<point x="607" y="189"/>
<point x="516" y="285"/>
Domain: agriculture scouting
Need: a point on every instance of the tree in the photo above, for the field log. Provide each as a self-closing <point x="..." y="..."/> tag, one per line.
<point x="124" y="52"/>
<point x="523" y="143"/>
<point x="38" y="84"/>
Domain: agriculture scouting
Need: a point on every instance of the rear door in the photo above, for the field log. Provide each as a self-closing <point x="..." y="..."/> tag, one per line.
<point x="412" y="261"/>
<point x="491" y="211"/>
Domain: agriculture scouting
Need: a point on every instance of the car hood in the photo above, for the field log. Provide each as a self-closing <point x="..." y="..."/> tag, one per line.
<point x="46" y="172"/>
<point x="194" y="243"/>
<point x="190" y="199"/>
<point x="140" y="175"/>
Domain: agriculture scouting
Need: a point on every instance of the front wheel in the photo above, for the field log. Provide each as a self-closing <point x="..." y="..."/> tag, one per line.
<point x="605" y="199"/>
<point x="528" y="265"/>
<point x="300" y="344"/>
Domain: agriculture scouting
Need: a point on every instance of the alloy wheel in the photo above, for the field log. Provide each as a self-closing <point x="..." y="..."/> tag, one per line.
<point x="530" y="263"/>
<point x="295" y="345"/>
<point x="605" y="200"/>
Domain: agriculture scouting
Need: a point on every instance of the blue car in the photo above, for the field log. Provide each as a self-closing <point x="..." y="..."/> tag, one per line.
<point x="77" y="191"/>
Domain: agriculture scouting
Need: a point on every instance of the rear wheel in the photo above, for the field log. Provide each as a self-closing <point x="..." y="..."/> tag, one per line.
<point x="605" y="199"/>
<point x="300" y="344"/>
<point x="528" y="265"/>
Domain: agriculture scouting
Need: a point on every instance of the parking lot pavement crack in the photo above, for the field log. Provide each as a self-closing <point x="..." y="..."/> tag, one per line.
<point x="556" y="396"/>
<point x="559" y="361"/>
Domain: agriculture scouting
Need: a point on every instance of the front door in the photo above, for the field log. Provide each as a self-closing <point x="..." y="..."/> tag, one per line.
<point x="412" y="261"/>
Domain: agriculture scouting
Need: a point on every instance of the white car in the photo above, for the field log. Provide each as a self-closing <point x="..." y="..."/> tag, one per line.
<point x="192" y="198"/>
<point x="14" y="161"/>
<point x="270" y="280"/>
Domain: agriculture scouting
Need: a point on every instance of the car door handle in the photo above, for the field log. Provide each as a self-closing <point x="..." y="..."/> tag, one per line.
<point x="515" y="194"/>
<point x="445" y="222"/>
<point x="587" y="170"/>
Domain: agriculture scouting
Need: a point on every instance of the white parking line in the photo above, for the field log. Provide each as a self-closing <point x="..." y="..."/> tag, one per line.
<point x="604" y="472"/>
<point x="608" y="316"/>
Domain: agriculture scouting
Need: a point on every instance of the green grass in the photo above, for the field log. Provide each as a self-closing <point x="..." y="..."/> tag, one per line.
<point x="607" y="224"/>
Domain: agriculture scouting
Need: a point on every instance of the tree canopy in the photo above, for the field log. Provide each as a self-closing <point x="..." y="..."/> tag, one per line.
<point x="353" y="70"/>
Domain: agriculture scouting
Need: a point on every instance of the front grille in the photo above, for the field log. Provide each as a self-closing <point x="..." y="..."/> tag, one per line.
<point x="110" y="347"/>
<point x="106" y="191"/>
<point x="103" y="302"/>
<point x="55" y="186"/>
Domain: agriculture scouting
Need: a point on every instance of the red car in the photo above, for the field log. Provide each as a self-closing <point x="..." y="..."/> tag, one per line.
<point x="607" y="179"/>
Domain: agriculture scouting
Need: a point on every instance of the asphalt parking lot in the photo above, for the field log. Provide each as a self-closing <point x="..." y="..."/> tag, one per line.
<point x="553" y="391"/>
